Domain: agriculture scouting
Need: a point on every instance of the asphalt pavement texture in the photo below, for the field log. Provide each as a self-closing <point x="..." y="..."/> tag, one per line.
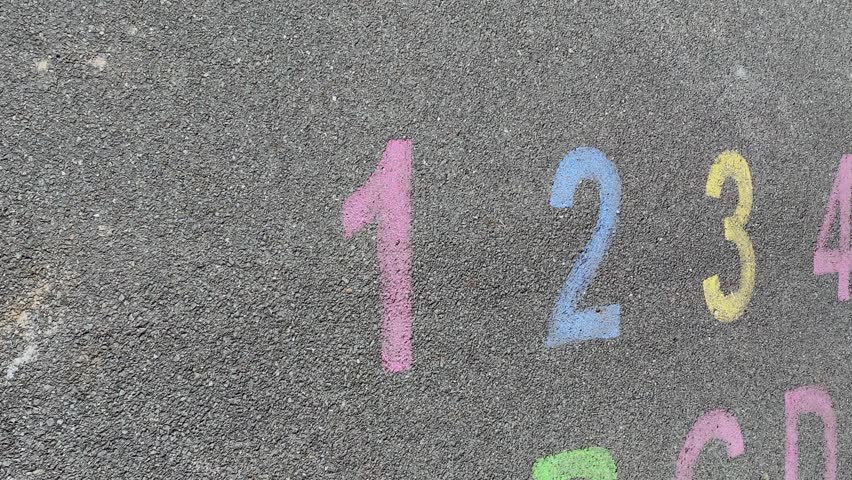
<point x="179" y="301"/>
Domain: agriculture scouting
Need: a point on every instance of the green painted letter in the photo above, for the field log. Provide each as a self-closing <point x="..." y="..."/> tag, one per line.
<point x="593" y="463"/>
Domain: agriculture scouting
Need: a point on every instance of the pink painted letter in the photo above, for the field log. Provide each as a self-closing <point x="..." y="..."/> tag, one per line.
<point x="809" y="400"/>
<point x="716" y="425"/>
<point x="386" y="198"/>
<point x="839" y="260"/>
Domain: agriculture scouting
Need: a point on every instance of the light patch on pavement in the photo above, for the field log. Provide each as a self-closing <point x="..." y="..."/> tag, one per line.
<point x="19" y="317"/>
<point x="105" y="230"/>
<point x="20" y="312"/>
<point x="41" y="66"/>
<point x="98" y="62"/>
<point x="28" y="355"/>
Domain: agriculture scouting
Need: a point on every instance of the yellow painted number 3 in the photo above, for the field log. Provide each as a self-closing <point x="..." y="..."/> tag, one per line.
<point x="727" y="308"/>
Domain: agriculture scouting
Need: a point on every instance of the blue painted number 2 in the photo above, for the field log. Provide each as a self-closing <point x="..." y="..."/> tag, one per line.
<point x="567" y="324"/>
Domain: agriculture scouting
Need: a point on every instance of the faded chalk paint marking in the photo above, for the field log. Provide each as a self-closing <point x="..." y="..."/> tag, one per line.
<point x="593" y="463"/>
<point x="727" y="308"/>
<point x="837" y="260"/>
<point x="98" y="62"/>
<point x="809" y="399"/>
<point x="27" y="356"/>
<point x="567" y="324"/>
<point x="714" y="425"/>
<point x="386" y="198"/>
<point x="20" y="317"/>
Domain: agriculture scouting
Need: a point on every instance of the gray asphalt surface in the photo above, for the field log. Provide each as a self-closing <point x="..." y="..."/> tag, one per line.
<point x="178" y="300"/>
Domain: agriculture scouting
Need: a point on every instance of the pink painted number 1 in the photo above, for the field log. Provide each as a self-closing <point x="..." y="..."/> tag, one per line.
<point x="386" y="199"/>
